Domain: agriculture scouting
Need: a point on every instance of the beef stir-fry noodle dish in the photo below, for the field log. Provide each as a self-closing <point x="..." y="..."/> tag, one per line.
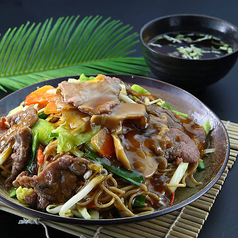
<point x="99" y="148"/>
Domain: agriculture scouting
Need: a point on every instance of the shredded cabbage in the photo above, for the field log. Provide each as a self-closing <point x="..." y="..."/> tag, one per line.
<point x="70" y="139"/>
<point x="82" y="78"/>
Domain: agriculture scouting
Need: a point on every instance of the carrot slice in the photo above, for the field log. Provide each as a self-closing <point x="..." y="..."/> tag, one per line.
<point x="50" y="108"/>
<point x="103" y="142"/>
<point x="40" y="156"/>
<point x="172" y="199"/>
<point x="41" y="96"/>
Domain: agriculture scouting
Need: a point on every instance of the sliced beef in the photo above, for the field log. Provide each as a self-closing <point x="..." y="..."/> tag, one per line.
<point x="183" y="147"/>
<point x="16" y="132"/>
<point x="22" y="148"/>
<point x="26" y="117"/>
<point x="157" y="124"/>
<point x="3" y="125"/>
<point x="56" y="183"/>
<point x="166" y="116"/>
<point x="92" y="97"/>
<point x="184" y="139"/>
<point x="194" y="131"/>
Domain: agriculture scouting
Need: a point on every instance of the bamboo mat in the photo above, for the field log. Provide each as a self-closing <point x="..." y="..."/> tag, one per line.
<point x="184" y="223"/>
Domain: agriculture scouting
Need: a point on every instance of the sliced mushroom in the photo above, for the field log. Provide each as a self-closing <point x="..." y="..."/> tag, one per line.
<point x="120" y="153"/>
<point x="119" y="113"/>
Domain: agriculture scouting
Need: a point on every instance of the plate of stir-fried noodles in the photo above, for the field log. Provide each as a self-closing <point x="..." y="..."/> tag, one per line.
<point x="100" y="149"/>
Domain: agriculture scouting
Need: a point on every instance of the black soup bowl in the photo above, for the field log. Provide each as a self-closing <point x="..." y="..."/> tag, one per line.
<point x="189" y="74"/>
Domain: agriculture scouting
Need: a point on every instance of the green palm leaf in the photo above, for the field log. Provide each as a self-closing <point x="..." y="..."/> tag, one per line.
<point x="33" y="53"/>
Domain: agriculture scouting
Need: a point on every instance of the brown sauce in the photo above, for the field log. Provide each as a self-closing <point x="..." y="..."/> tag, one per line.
<point x="139" y="145"/>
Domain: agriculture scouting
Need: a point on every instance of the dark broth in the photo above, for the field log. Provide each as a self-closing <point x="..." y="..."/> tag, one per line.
<point x="190" y="45"/>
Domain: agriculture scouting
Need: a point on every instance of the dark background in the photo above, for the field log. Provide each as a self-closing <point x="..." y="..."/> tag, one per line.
<point x="220" y="97"/>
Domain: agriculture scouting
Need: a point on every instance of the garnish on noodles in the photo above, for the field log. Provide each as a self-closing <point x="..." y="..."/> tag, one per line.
<point x="98" y="148"/>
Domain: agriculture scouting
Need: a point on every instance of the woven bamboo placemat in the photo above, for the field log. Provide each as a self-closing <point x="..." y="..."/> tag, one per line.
<point x="184" y="223"/>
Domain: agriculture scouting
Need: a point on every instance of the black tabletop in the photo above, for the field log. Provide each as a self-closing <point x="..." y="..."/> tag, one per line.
<point x="220" y="97"/>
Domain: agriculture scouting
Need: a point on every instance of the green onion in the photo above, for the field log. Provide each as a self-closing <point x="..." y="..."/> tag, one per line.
<point x="33" y="149"/>
<point x="53" y="134"/>
<point x="131" y="176"/>
<point x="138" y="201"/>
<point x="201" y="166"/>
<point x="42" y="115"/>
<point x="139" y="89"/>
<point x="177" y="176"/>
<point x="206" y="126"/>
<point x="12" y="192"/>
<point x="180" y="113"/>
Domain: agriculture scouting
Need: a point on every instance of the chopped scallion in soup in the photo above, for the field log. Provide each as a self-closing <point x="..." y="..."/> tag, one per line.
<point x="190" y="45"/>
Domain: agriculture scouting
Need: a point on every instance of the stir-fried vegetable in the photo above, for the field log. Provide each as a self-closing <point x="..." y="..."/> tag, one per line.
<point x="206" y="126"/>
<point x="201" y="166"/>
<point x="159" y="102"/>
<point x="41" y="96"/>
<point x="139" y="89"/>
<point x="177" y="176"/>
<point x="40" y="156"/>
<point x="70" y="139"/>
<point x="22" y="192"/>
<point x="44" y="128"/>
<point x="138" y="201"/>
<point x="129" y="175"/>
<point x="12" y="192"/>
<point x="81" y="194"/>
<point x="34" y="149"/>
<point x="50" y="108"/>
<point x="103" y="142"/>
<point x="83" y="212"/>
<point x="180" y="113"/>
<point x="82" y="78"/>
<point x="5" y="154"/>
<point x="16" y="109"/>
<point x="172" y="199"/>
<point x="42" y="115"/>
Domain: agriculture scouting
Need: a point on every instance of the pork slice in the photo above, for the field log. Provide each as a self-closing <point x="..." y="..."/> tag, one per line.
<point x="183" y="147"/>
<point x="124" y="111"/>
<point x="57" y="183"/>
<point x="93" y="98"/>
